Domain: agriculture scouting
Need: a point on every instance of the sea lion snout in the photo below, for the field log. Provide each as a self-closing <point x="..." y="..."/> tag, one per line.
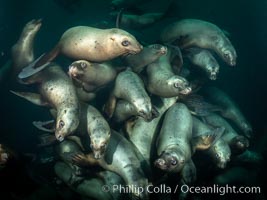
<point x="230" y="57"/>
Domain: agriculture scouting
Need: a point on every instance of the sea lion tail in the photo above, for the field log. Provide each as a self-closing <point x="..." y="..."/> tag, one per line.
<point x="39" y="64"/>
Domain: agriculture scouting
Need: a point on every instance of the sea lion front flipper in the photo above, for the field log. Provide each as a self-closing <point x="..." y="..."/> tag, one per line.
<point x="83" y="160"/>
<point x="32" y="97"/>
<point x="110" y="106"/>
<point x="31" y="70"/>
<point x="47" y="126"/>
<point x="198" y="106"/>
<point x="206" y="140"/>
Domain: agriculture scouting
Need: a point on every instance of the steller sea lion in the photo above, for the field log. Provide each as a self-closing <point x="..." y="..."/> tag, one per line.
<point x="237" y="143"/>
<point x="198" y="33"/>
<point x="137" y="21"/>
<point x="22" y="51"/>
<point x="130" y="87"/>
<point x="97" y="132"/>
<point x="174" y="140"/>
<point x="57" y="91"/>
<point x="125" y="110"/>
<point x="143" y="134"/>
<point x="121" y="158"/>
<point x="203" y="59"/>
<point x="220" y="152"/>
<point x="87" y="43"/>
<point x="228" y="108"/>
<point x="91" y="76"/>
<point x="148" y="55"/>
<point x="162" y="81"/>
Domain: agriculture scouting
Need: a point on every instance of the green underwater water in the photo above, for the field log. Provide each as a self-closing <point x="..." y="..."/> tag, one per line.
<point x="246" y="83"/>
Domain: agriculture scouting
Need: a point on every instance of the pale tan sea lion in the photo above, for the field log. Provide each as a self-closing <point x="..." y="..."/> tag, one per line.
<point x="91" y="76"/>
<point x="88" y="43"/>
<point x="198" y="33"/>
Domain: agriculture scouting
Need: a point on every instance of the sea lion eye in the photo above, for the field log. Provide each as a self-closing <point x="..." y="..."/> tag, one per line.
<point x="217" y="155"/>
<point x="103" y="146"/>
<point x="125" y="43"/>
<point x="61" y="124"/>
<point x="83" y="65"/>
<point x="173" y="162"/>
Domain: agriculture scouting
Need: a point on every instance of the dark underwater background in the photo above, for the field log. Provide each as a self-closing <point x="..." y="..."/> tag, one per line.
<point x="246" y="21"/>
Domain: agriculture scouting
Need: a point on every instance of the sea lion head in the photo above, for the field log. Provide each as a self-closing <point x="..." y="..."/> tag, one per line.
<point x="4" y="155"/>
<point x="179" y="83"/>
<point x="222" y="155"/>
<point x="99" y="141"/>
<point x="158" y="49"/>
<point x="213" y="69"/>
<point x="125" y="41"/>
<point x="229" y="55"/>
<point x="143" y="107"/>
<point x="246" y="128"/>
<point x="67" y="122"/>
<point x="239" y="144"/>
<point x="78" y="68"/>
<point x="171" y="161"/>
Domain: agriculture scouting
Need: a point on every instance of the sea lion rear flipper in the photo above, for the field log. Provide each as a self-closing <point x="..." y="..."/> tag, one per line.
<point x="206" y="140"/>
<point x="198" y="106"/>
<point x="47" y="126"/>
<point x="176" y="57"/>
<point x="109" y="107"/>
<point x="31" y="69"/>
<point x="47" y="140"/>
<point x="32" y="97"/>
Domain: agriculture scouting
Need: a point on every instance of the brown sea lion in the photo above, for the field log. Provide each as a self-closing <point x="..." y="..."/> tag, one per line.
<point x="130" y="87"/>
<point x="88" y="43"/>
<point x="22" y="51"/>
<point x="198" y="33"/>
<point x="91" y="76"/>
<point x="148" y="55"/>
<point x="57" y="91"/>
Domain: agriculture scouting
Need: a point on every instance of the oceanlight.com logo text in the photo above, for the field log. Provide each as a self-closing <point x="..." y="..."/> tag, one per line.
<point x="214" y="189"/>
<point x="218" y="189"/>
